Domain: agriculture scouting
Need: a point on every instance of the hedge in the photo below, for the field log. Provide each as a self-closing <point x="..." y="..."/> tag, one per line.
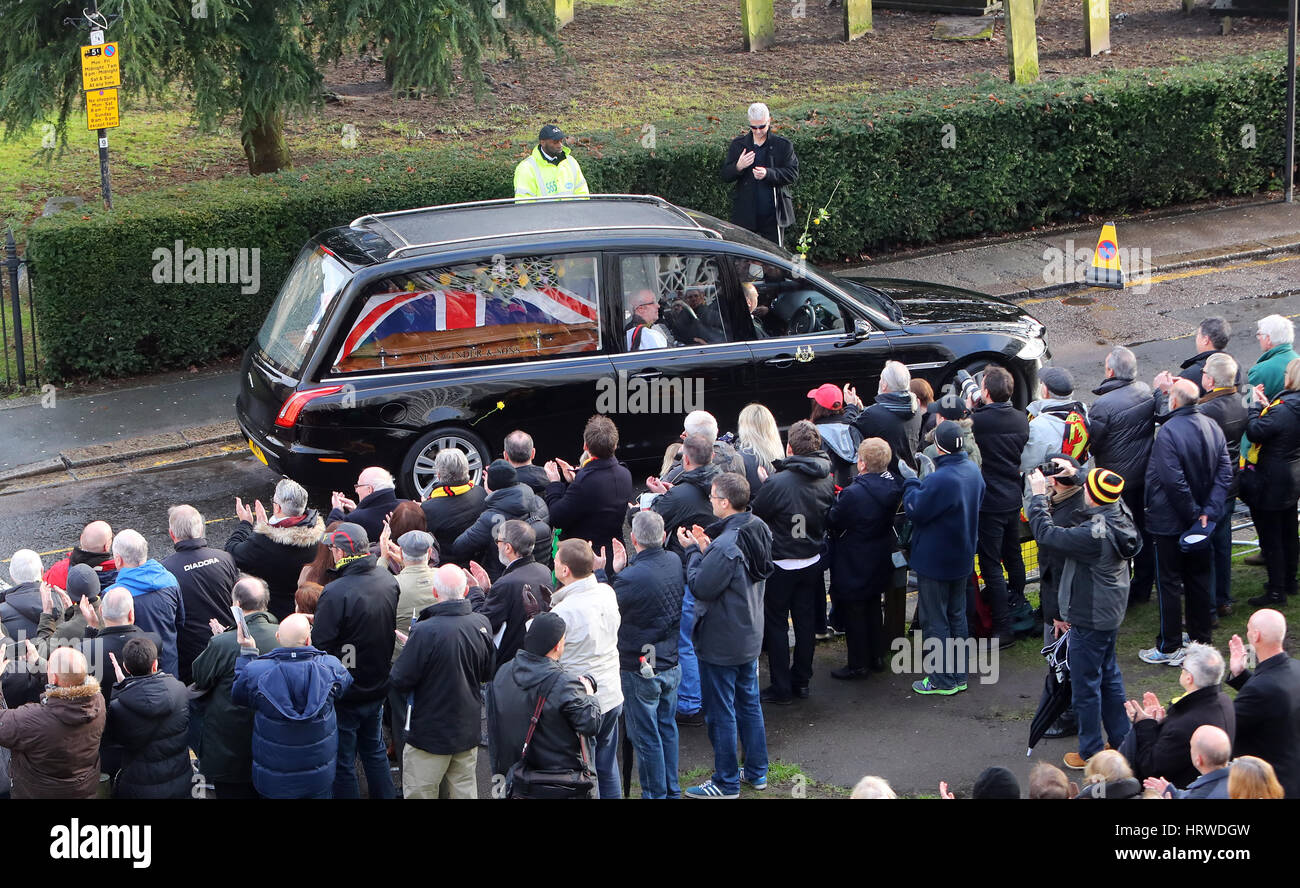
<point x="1023" y="156"/>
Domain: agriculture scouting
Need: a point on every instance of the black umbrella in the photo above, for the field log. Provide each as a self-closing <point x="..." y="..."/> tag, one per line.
<point x="1056" y="690"/>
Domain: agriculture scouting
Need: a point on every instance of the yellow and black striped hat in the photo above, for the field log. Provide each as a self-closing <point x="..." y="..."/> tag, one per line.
<point x="1104" y="486"/>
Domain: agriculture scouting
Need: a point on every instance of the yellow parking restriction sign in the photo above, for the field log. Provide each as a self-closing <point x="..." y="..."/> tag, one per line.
<point x="100" y="67"/>
<point x="101" y="109"/>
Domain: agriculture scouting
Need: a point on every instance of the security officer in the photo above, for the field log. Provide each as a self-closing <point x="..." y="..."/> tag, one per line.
<point x="550" y="171"/>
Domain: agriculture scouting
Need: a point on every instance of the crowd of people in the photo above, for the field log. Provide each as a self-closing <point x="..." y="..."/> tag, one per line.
<point x="548" y="610"/>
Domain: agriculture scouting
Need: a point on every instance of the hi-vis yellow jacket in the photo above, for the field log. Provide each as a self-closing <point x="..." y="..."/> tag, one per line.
<point x="537" y="177"/>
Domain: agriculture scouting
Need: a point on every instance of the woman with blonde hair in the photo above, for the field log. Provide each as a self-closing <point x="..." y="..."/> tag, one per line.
<point x="1250" y="777"/>
<point x="759" y="443"/>
<point x="1272" y="493"/>
<point x="1108" y="776"/>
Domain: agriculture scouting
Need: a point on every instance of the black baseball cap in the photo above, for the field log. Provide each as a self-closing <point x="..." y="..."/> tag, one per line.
<point x="551" y="131"/>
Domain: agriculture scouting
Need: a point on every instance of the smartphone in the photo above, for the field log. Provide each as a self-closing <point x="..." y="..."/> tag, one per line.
<point x="239" y="620"/>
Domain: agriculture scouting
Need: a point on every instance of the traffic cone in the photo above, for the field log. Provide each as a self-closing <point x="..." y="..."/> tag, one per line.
<point x="1105" y="270"/>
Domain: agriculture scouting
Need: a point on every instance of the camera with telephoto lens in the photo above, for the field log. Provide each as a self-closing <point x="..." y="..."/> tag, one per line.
<point x="970" y="389"/>
<point x="1051" y="468"/>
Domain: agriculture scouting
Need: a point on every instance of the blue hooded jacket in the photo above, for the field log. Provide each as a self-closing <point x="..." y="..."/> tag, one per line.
<point x="945" y="513"/>
<point x="159" y="607"/>
<point x="292" y="692"/>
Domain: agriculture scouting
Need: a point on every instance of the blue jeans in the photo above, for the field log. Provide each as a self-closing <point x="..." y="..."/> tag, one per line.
<point x="943" y="616"/>
<point x="1221" y="547"/>
<point x="649" y="706"/>
<point x="732" y="711"/>
<point x="1098" y="689"/>
<point x="605" y="753"/>
<point x="689" y="699"/>
<point x="360" y="733"/>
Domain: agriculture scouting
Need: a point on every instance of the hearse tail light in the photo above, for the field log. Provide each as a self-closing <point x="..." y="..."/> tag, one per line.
<point x="298" y="400"/>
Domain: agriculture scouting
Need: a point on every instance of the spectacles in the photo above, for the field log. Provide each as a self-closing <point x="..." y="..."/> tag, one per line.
<point x="359" y="486"/>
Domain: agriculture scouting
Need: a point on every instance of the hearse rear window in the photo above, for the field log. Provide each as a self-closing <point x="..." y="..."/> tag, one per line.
<point x="499" y="310"/>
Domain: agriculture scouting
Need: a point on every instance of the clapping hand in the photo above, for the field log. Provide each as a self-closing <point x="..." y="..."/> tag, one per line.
<point x="699" y="538"/>
<point x="552" y="471"/>
<point x="1159" y="784"/>
<point x="386" y="537"/>
<point x="215" y="625"/>
<point x="479" y="575"/>
<point x="88" y="611"/>
<point x="401" y="636"/>
<point x="341" y="502"/>
<point x="657" y="486"/>
<point x="1260" y="398"/>
<point x="1236" y="655"/>
<point x="851" y="395"/>
<point x="117" y="667"/>
<point x="1163" y="382"/>
<point x="944" y="792"/>
<point x="242" y="512"/>
<point x="566" y="469"/>
<point x="259" y="512"/>
<point x="762" y="473"/>
<point x="47" y="598"/>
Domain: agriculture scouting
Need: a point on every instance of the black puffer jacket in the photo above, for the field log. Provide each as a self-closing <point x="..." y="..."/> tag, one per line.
<point x="569" y="711"/>
<point x="649" y="592"/>
<point x="1277" y="433"/>
<point x="517" y="502"/>
<point x="277" y="554"/>
<point x="356" y="621"/>
<point x="794" y="503"/>
<point x="1226" y="407"/>
<point x="206" y="577"/>
<point x="895" y="417"/>
<point x="687" y="503"/>
<point x="449" y="655"/>
<point x="1121" y="426"/>
<point x="20" y="611"/>
<point x="1001" y="432"/>
<point x="150" y="719"/>
<point x="449" y="511"/>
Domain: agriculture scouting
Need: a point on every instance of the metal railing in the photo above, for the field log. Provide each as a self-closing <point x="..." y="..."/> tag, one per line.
<point x="18" y="352"/>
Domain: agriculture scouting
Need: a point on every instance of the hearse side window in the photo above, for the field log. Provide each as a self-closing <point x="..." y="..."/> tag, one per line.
<point x="688" y="290"/>
<point x="787" y="305"/>
<point x="512" y="309"/>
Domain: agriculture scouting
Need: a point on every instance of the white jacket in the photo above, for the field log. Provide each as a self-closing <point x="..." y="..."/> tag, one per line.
<point x="591" y="619"/>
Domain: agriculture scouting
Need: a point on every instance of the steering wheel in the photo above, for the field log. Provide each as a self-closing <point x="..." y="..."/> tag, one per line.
<point x="804" y="319"/>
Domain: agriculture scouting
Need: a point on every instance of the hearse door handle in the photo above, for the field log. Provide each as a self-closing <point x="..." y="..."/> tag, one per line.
<point x="780" y="361"/>
<point x="649" y="373"/>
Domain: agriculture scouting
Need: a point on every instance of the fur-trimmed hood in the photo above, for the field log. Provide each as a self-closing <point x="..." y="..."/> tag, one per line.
<point x="308" y="533"/>
<point x="75" y="705"/>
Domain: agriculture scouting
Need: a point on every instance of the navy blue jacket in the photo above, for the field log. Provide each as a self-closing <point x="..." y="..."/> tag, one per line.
<point x="945" y="513"/>
<point x="369" y="513"/>
<point x="1189" y="473"/>
<point x="861" y="530"/>
<point x="292" y="692"/>
<point x="649" y="592"/>
<point x="159" y="607"/>
<point x="594" y="505"/>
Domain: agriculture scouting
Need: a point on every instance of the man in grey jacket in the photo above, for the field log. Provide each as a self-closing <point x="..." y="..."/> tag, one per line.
<point x="727" y="569"/>
<point x="1057" y="422"/>
<point x="1093" y="592"/>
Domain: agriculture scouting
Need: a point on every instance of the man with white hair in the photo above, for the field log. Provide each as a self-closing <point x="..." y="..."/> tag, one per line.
<point x="1187" y="482"/>
<point x="20" y="606"/>
<point x="376" y="498"/>
<point x="1275" y="335"/>
<point x="94" y="547"/>
<point x="110" y="637"/>
<point x="894" y="416"/>
<point x="206" y="576"/>
<point x="1268" y="698"/>
<point x="446" y="659"/>
<point x="454" y="503"/>
<point x="1158" y="745"/>
<point x="762" y="166"/>
<point x="697" y="422"/>
<point x="159" y="607"/>
<point x="275" y="548"/>
<point x="1222" y="403"/>
<point x="1121" y="424"/>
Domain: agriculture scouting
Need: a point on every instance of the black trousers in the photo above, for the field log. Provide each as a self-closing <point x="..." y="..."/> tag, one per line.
<point x="1144" y="563"/>
<point x="767" y="228"/>
<point x="999" y="545"/>
<point x="1182" y="574"/>
<point x="864" y="630"/>
<point x="791" y="594"/>
<point x="1280" y="547"/>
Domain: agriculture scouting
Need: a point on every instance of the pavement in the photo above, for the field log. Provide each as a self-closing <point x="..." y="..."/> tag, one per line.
<point x="153" y="421"/>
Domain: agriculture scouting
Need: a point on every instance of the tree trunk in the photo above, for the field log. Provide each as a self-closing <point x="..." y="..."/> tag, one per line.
<point x="264" y="146"/>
